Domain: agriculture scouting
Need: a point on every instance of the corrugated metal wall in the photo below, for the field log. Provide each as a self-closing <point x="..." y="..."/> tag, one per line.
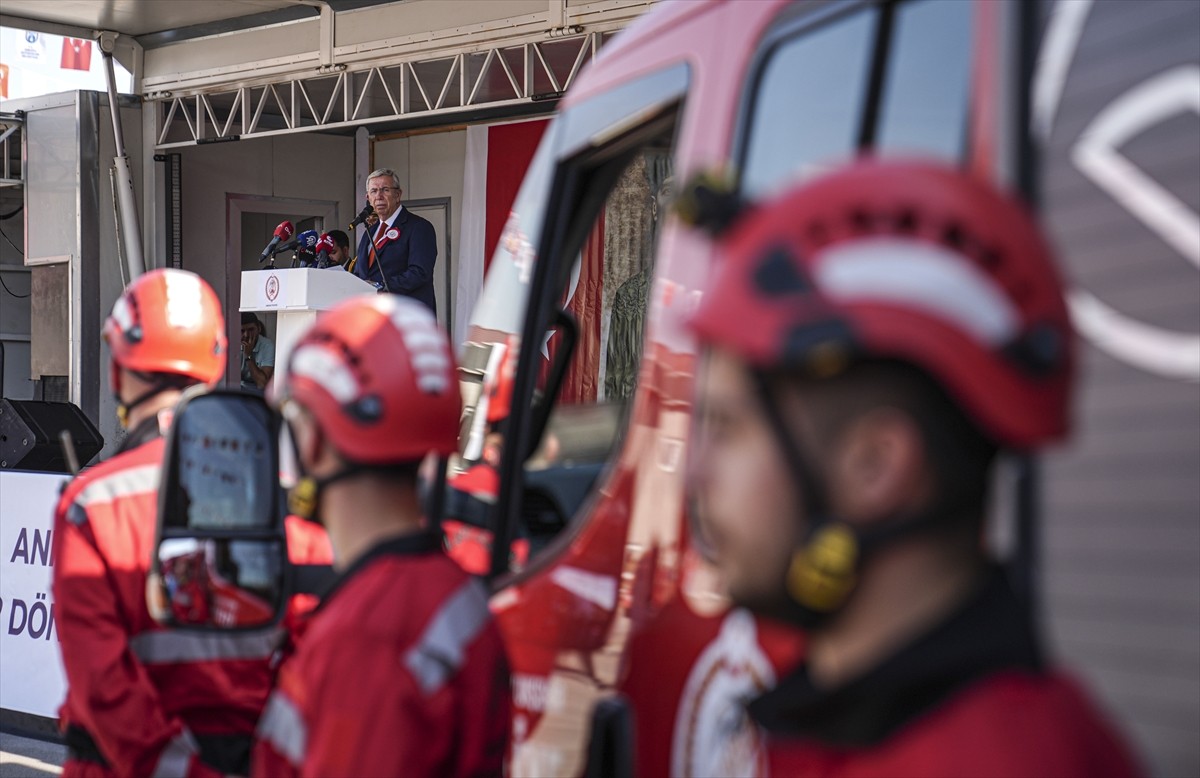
<point x="1122" y="528"/>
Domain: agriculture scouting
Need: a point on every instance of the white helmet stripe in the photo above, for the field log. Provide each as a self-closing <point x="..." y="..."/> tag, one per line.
<point x="919" y="275"/>
<point x="322" y="367"/>
<point x="185" y="299"/>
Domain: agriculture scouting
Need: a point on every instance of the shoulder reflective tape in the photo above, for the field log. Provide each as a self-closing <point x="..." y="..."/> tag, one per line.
<point x="439" y="653"/>
<point x="175" y="757"/>
<point x="170" y="646"/>
<point x="122" y="483"/>
<point x="283" y="727"/>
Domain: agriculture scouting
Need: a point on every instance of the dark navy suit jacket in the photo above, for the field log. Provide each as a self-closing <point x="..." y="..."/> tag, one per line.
<point x="407" y="260"/>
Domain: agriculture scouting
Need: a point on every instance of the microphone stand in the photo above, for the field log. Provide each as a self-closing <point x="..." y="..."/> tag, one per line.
<point x="378" y="261"/>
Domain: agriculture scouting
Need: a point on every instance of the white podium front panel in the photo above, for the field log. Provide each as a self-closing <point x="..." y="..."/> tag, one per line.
<point x="299" y="289"/>
<point x="296" y="295"/>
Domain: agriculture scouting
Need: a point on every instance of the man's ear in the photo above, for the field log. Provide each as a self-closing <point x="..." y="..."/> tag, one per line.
<point x="878" y="467"/>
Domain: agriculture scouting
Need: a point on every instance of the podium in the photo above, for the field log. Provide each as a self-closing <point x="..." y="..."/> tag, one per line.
<point x="296" y="295"/>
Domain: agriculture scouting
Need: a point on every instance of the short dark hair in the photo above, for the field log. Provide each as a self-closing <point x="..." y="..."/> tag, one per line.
<point x="249" y="317"/>
<point x="960" y="455"/>
<point x="340" y="238"/>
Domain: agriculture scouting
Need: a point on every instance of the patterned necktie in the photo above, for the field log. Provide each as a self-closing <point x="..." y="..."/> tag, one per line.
<point x="377" y="243"/>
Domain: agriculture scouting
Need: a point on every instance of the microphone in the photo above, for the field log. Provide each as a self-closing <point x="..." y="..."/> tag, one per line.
<point x="307" y="240"/>
<point x="324" y="246"/>
<point x="282" y="233"/>
<point x="362" y="216"/>
<point x="303" y="241"/>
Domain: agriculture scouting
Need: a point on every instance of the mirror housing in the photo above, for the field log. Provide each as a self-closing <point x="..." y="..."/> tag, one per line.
<point x="220" y="557"/>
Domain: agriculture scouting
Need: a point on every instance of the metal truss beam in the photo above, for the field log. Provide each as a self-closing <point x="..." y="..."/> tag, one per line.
<point x="510" y="73"/>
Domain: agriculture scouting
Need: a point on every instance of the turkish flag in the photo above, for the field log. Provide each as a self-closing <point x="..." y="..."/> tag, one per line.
<point x="497" y="157"/>
<point x="76" y="54"/>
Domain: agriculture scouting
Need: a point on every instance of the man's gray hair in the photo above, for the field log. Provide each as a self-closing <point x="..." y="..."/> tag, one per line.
<point x="384" y="171"/>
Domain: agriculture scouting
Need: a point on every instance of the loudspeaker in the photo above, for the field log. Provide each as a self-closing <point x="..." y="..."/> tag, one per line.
<point x="29" y="435"/>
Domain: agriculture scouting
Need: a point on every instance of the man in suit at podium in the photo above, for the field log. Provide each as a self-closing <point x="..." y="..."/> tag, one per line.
<point x="397" y="256"/>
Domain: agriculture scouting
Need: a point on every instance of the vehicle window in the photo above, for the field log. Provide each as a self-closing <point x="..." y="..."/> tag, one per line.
<point x="821" y="96"/>
<point x="605" y="175"/>
<point x="925" y="91"/>
<point x="808" y="104"/>
<point x="607" y="298"/>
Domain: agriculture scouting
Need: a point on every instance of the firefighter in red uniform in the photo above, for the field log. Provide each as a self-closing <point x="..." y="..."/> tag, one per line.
<point x="401" y="671"/>
<point x="143" y="700"/>
<point x="471" y="494"/>
<point x="898" y="324"/>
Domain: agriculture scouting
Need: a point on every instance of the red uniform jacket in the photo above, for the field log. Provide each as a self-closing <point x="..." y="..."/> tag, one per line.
<point x="401" y="672"/>
<point x="1010" y="725"/>
<point x="468" y="542"/>
<point x="142" y="699"/>
<point x="970" y="698"/>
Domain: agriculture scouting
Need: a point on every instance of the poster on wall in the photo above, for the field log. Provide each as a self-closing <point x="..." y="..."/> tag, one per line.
<point x="31" y="675"/>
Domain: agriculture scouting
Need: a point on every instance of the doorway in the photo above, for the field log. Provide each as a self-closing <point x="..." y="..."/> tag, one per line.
<point x="250" y="222"/>
<point x="437" y="211"/>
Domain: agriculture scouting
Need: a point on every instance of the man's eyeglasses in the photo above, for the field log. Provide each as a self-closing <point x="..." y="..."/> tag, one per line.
<point x="382" y="190"/>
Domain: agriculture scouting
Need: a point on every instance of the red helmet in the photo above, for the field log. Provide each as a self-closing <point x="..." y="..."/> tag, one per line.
<point x="168" y="321"/>
<point x="912" y="261"/>
<point x="377" y="374"/>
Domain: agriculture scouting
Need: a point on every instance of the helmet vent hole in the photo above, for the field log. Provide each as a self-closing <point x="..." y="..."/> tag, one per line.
<point x="778" y="276"/>
<point x="990" y="258"/>
<point x="906" y="221"/>
<point x="954" y="237"/>
<point x="860" y="220"/>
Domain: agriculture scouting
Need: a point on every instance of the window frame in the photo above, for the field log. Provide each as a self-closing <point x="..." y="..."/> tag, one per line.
<point x="791" y="26"/>
<point x="595" y="144"/>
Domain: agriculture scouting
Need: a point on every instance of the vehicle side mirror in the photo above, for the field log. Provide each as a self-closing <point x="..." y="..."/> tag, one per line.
<point x="220" y="555"/>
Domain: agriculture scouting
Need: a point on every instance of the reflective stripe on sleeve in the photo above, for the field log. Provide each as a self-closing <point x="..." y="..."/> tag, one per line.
<point x="283" y="727"/>
<point x="175" y="757"/>
<point x="122" y="483"/>
<point x="439" y="653"/>
<point x="169" y="646"/>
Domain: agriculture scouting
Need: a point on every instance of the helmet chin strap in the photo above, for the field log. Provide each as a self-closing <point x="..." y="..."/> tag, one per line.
<point x="158" y="382"/>
<point x="824" y="570"/>
<point x="304" y="497"/>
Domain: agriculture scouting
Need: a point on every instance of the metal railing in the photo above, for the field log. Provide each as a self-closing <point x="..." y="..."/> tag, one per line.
<point x="11" y="167"/>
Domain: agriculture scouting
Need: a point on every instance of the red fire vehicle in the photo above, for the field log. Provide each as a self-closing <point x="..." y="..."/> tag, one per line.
<point x="594" y="274"/>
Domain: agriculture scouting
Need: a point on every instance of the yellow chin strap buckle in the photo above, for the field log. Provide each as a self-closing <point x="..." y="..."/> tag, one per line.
<point x="302" y="499"/>
<point x="821" y="575"/>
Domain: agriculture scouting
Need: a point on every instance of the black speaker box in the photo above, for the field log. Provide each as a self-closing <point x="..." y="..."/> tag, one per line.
<point x="29" y="435"/>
